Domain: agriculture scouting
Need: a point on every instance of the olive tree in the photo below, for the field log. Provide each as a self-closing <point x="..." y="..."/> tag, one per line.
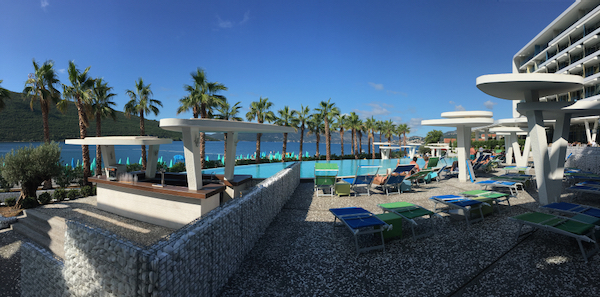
<point x="30" y="166"/>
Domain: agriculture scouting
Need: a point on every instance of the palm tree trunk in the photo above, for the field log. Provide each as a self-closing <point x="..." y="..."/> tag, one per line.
<point x="373" y="145"/>
<point x="359" y="142"/>
<point x="352" y="146"/>
<point x="284" y="147"/>
<point x="202" y="149"/>
<point x="45" y="110"/>
<point x="258" y="135"/>
<point x="301" y="142"/>
<point x="225" y="147"/>
<point x="327" y="140"/>
<point x="85" y="150"/>
<point x="318" y="140"/>
<point x="342" y="142"/>
<point x="98" y="152"/>
<point x="143" y="133"/>
<point x="354" y="140"/>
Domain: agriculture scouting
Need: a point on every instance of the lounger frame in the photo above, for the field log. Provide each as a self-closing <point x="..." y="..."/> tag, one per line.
<point x="361" y="214"/>
<point x="401" y="211"/>
<point x="455" y="201"/>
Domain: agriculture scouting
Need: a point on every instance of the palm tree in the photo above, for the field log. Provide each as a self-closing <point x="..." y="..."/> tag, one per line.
<point x="302" y="116"/>
<point x="102" y="108"/>
<point x="80" y="92"/>
<point x="41" y="86"/>
<point x="328" y="112"/>
<point x="379" y="129"/>
<point x="228" y="113"/>
<point x="340" y="124"/>
<point x="202" y="99"/>
<point x="315" y="126"/>
<point x="359" y="131"/>
<point x="403" y="129"/>
<point x="140" y="103"/>
<point x="354" y="123"/>
<point x="4" y="94"/>
<point x="286" y="118"/>
<point x="370" y="126"/>
<point x="259" y="110"/>
<point x="389" y="129"/>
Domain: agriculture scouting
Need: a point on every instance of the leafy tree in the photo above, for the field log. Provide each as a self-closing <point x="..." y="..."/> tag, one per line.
<point x="29" y="167"/>
<point x="259" y="111"/>
<point x="141" y="104"/>
<point x="40" y="86"/>
<point x="303" y="116"/>
<point x="340" y="124"/>
<point x="80" y="92"/>
<point x="228" y="113"/>
<point x="286" y="118"/>
<point x="328" y="111"/>
<point x="101" y="108"/>
<point x="4" y="94"/>
<point x="433" y="136"/>
<point x="202" y="99"/>
<point x="370" y="126"/>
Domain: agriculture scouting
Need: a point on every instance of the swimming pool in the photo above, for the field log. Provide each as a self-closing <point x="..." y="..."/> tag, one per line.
<point x="347" y="167"/>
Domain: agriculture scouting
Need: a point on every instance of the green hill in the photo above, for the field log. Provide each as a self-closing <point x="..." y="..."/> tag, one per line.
<point x="19" y="123"/>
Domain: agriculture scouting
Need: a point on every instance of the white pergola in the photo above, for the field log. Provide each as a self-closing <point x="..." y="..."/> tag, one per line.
<point x="191" y="128"/>
<point x="529" y="88"/>
<point x="463" y="121"/>
<point x="107" y="147"/>
<point x="437" y="148"/>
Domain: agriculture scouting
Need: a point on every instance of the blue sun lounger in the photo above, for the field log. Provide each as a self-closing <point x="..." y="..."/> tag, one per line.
<point x="584" y="189"/>
<point x="583" y="213"/>
<point x="360" y="221"/>
<point x="511" y="185"/>
<point x="364" y="177"/>
<point x="462" y="203"/>
<point x="560" y="225"/>
<point x="396" y="179"/>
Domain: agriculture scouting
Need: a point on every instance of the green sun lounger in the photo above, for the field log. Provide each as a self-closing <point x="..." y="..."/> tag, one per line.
<point x="497" y="197"/>
<point x="325" y="176"/>
<point x="560" y="225"/>
<point x="409" y="212"/>
<point x="421" y="175"/>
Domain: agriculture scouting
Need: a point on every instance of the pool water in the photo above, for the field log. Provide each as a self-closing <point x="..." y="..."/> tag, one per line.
<point x="346" y="167"/>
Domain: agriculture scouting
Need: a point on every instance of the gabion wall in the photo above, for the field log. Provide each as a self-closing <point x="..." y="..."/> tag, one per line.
<point x="41" y="273"/>
<point x="196" y="260"/>
<point x="584" y="158"/>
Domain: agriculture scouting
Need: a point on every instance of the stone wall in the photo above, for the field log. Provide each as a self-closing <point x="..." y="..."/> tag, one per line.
<point x="196" y="260"/>
<point x="41" y="273"/>
<point x="584" y="158"/>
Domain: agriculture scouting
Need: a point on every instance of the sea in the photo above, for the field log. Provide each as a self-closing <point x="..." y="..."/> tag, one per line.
<point x="127" y="154"/>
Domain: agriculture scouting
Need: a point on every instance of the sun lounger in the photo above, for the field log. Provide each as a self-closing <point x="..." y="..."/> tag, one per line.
<point x="396" y="178"/>
<point x="409" y="212"/>
<point x="574" y="178"/>
<point x="583" y="213"/>
<point x="419" y="176"/>
<point x="501" y="184"/>
<point x="435" y="173"/>
<point x="360" y="221"/>
<point x="584" y="189"/>
<point x="525" y="179"/>
<point x="560" y="225"/>
<point x="589" y="183"/>
<point x="497" y="197"/>
<point x="325" y="176"/>
<point x="517" y="169"/>
<point x="480" y="165"/>
<point x="462" y="203"/>
<point x="364" y="178"/>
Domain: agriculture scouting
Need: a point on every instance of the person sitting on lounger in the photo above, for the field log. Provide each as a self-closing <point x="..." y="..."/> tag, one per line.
<point x="381" y="179"/>
<point x="416" y="168"/>
<point x="454" y="166"/>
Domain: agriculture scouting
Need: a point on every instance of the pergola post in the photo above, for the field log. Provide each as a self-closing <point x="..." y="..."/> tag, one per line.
<point x="152" y="160"/>
<point x="191" y="152"/>
<point x="230" y="159"/>
<point x="108" y="155"/>
<point x="537" y="133"/>
<point x="463" y="139"/>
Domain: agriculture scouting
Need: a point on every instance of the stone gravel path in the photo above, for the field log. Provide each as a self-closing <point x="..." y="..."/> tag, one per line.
<point x="301" y="254"/>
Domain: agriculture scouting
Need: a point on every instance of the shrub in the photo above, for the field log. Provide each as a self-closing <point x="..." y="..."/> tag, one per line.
<point x="30" y="202"/>
<point x="4" y="184"/>
<point x="178" y="167"/>
<point x="44" y="198"/>
<point x="86" y="191"/>
<point x="78" y="175"/>
<point x="73" y="194"/>
<point x="10" y="201"/>
<point x="134" y="167"/>
<point x="66" y="176"/>
<point x="60" y="194"/>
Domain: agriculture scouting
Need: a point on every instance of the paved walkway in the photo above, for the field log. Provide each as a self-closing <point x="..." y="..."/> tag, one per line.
<point x="301" y="254"/>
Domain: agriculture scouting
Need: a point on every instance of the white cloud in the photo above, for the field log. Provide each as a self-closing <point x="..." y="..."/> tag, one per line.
<point x="451" y="102"/>
<point x="44" y="3"/>
<point x="489" y="104"/>
<point x="414" y="124"/>
<point x="224" y="24"/>
<point x="246" y="17"/>
<point x="459" y="108"/>
<point x="62" y="70"/>
<point x="377" y="87"/>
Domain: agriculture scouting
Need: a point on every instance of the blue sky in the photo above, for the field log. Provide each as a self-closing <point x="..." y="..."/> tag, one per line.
<point x="399" y="60"/>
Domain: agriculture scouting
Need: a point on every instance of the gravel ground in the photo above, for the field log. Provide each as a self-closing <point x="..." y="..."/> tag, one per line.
<point x="301" y="254"/>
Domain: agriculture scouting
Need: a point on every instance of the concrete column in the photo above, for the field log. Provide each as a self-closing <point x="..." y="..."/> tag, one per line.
<point x="191" y="152"/>
<point x="152" y="160"/>
<point x="108" y="155"/>
<point x="595" y="131"/>
<point x="230" y="159"/>
<point x="587" y="131"/>
<point x="508" y="141"/>
<point x="463" y="145"/>
<point x="558" y="152"/>
<point x="539" y="144"/>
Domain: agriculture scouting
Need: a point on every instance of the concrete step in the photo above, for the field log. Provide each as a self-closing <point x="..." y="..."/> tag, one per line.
<point x="53" y="245"/>
<point x="47" y="231"/>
